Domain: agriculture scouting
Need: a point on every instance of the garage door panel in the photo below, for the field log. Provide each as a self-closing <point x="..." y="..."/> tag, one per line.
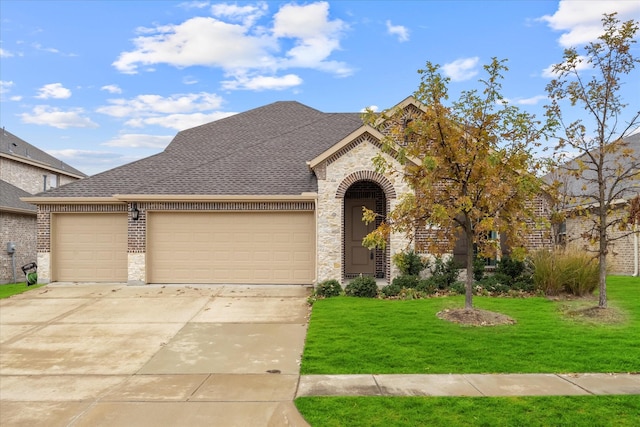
<point x="225" y="247"/>
<point x="89" y="247"/>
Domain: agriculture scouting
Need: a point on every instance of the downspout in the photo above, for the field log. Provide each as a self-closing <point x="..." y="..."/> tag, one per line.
<point x="635" y="248"/>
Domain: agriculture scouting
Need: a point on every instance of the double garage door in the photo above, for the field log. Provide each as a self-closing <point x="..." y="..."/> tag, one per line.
<point x="231" y="247"/>
<point x="188" y="247"/>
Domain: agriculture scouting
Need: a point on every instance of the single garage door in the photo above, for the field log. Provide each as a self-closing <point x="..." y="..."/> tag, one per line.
<point x="231" y="247"/>
<point x="89" y="247"/>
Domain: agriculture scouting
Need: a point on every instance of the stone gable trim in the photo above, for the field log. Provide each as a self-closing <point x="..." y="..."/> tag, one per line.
<point x="366" y="175"/>
<point x="366" y="137"/>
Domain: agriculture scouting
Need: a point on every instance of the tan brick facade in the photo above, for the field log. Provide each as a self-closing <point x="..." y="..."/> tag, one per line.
<point x="621" y="253"/>
<point x="21" y="230"/>
<point x="30" y="178"/>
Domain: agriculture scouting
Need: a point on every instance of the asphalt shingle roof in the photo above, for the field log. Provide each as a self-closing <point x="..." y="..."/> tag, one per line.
<point x="587" y="183"/>
<point x="14" y="146"/>
<point x="10" y="198"/>
<point x="259" y="152"/>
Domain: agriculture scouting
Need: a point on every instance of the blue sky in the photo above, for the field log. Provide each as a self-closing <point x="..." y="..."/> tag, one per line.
<point x="102" y="83"/>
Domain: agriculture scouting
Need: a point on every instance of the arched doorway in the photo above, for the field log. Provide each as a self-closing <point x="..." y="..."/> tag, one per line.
<point x="358" y="260"/>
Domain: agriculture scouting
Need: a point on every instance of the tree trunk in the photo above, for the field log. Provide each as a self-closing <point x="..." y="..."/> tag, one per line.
<point x="468" y="295"/>
<point x="602" y="273"/>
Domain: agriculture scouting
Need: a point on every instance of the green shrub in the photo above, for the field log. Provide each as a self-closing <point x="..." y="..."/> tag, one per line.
<point x="328" y="288"/>
<point x="496" y="283"/>
<point x="427" y="286"/>
<point x="458" y="288"/>
<point x="445" y="274"/>
<point x="406" y="281"/>
<point x="478" y="268"/>
<point x="575" y="272"/>
<point x="511" y="267"/>
<point x="362" y="287"/>
<point x="409" y="263"/>
<point x="391" y="290"/>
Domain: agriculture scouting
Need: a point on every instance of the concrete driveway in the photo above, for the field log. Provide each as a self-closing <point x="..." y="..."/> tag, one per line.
<point x="117" y="355"/>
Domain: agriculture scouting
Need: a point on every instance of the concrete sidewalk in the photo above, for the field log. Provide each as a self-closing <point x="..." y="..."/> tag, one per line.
<point x="469" y="385"/>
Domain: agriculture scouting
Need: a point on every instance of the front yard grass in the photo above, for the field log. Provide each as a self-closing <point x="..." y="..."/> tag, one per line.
<point x="371" y="336"/>
<point x="533" y="411"/>
<point x="16" y="288"/>
<point x="352" y="335"/>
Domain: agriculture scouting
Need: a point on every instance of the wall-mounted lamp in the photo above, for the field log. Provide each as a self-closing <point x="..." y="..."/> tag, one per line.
<point x="135" y="213"/>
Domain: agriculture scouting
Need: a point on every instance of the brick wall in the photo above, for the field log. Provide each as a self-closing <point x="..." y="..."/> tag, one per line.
<point x="20" y="229"/>
<point x="621" y="253"/>
<point x="30" y="178"/>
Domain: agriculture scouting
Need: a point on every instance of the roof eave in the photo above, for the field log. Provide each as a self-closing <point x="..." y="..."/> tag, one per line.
<point x="41" y="165"/>
<point x="35" y="200"/>
<point x="18" y="210"/>
<point x="215" y="197"/>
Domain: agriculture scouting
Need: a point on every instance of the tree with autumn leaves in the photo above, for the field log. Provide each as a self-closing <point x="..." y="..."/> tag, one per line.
<point x="469" y="163"/>
<point x="607" y="170"/>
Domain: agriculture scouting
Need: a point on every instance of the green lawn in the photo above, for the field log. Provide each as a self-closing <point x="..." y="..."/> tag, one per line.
<point x="350" y="336"/>
<point x="357" y="335"/>
<point x="15" y="288"/>
<point x="570" y="411"/>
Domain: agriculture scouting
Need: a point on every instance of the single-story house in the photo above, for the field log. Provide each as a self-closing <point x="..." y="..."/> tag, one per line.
<point x="271" y="195"/>
<point x="24" y="170"/>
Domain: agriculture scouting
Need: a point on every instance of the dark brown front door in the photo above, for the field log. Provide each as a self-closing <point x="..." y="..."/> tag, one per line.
<point x="358" y="259"/>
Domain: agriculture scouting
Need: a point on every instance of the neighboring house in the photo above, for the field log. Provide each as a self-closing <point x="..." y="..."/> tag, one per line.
<point x="624" y="252"/>
<point x="271" y="195"/>
<point x="24" y="170"/>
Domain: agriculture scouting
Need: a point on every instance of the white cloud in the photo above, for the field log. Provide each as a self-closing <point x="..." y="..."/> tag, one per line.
<point x="461" y="69"/>
<point x="5" y="86"/>
<point x="582" y="64"/>
<point x="53" y="90"/>
<point x="16" y="98"/>
<point x="316" y="37"/>
<point x="398" y="30"/>
<point x="55" y="117"/>
<point x="179" y="121"/>
<point x="151" y="105"/>
<point x="112" y="88"/>
<point x="248" y="15"/>
<point x="580" y="21"/>
<point x="91" y="161"/>
<point x="534" y="100"/>
<point x="373" y="108"/>
<point x="5" y="53"/>
<point x="138" y="140"/>
<point x="300" y="36"/>
<point x="198" y="41"/>
<point x="189" y="80"/>
<point x="259" y="83"/>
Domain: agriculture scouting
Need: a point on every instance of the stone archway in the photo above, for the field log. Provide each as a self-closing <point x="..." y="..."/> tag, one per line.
<point x="358" y="260"/>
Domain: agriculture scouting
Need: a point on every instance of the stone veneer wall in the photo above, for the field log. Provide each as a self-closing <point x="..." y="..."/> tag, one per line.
<point x="21" y="230"/>
<point x="620" y="258"/>
<point x="335" y="175"/>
